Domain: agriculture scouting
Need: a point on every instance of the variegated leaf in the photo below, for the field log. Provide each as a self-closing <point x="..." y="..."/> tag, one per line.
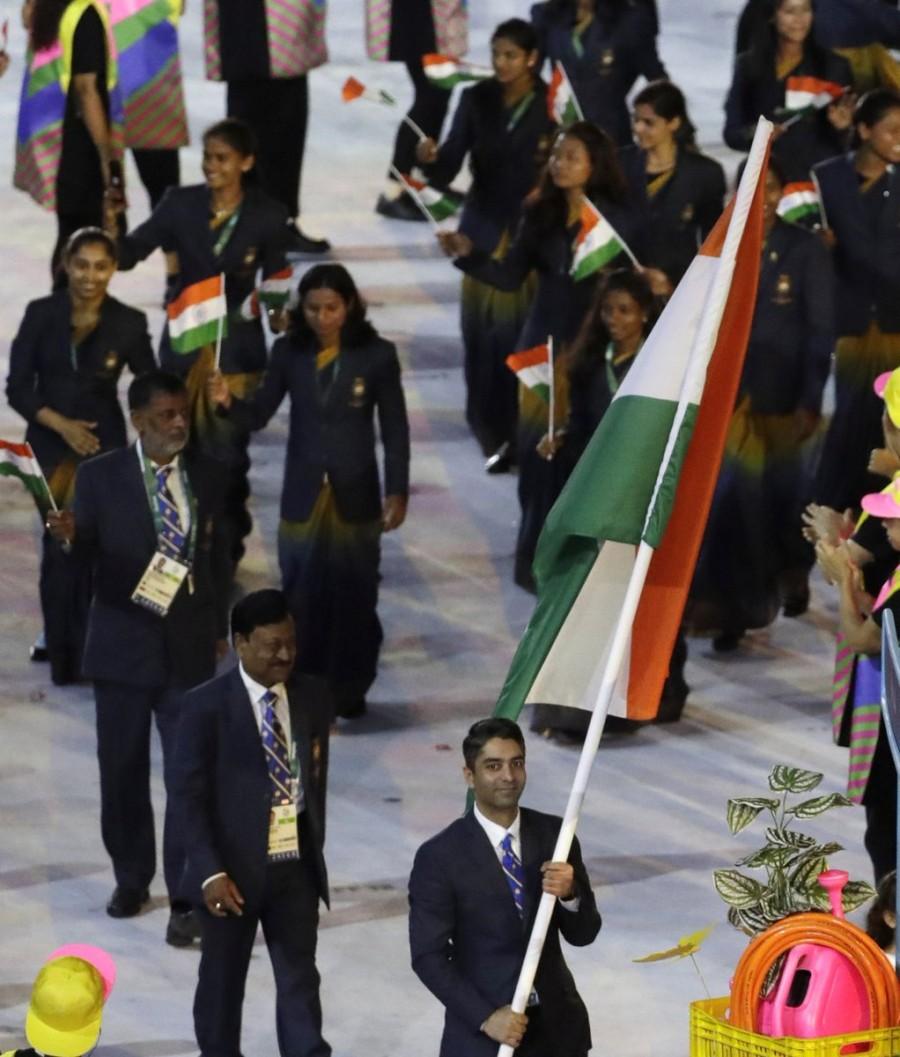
<point x="855" y="894"/>
<point x="736" y="889"/>
<point x="788" y="838"/>
<point x="793" y="779"/>
<point x="742" y="810"/>
<point x="818" y="805"/>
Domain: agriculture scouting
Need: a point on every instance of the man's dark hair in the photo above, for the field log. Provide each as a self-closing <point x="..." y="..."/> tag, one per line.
<point x="143" y="389"/>
<point x="258" y="609"/>
<point x="480" y="734"/>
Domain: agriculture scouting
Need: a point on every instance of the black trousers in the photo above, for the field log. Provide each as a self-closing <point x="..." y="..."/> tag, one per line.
<point x="159" y="170"/>
<point x="65" y="589"/>
<point x="289" y="916"/>
<point x="124" y="715"/>
<point x="428" y="110"/>
<point x="277" y="110"/>
<point x="880" y="801"/>
<point x="540" y="1039"/>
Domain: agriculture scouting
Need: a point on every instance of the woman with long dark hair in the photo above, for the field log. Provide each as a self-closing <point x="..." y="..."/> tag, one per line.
<point x="861" y="202"/>
<point x="502" y="125"/>
<point x="224" y="226"/>
<point x="67" y="154"/>
<point x="339" y="373"/>
<point x="682" y="189"/>
<point x="583" y="164"/>
<point x="64" y="366"/>
<point x="769" y="78"/>
<point x="604" y="47"/>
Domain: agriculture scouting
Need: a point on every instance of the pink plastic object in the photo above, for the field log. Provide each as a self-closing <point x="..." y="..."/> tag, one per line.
<point x="819" y="991"/>
<point x="96" y="956"/>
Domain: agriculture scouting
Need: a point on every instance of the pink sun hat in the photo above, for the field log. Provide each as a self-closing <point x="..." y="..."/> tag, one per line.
<point x="887" y="386"/>
<point x="883" y="504"/>
<point x="95" y="956"/>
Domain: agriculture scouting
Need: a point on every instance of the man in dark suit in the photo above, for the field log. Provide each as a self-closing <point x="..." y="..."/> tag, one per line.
<point x="252" y="766"/>
<point x="149" y="639"/>
<point x="473" y="895"/>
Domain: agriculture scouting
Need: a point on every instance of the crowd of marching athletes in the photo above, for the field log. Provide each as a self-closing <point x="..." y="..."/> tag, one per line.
<point x="589" y="197"/>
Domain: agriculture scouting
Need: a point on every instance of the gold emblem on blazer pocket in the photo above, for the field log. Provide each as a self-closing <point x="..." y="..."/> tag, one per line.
<point x="607" y="60"/>
<point x="358" y="392"/>
<point x="783" y="290"/>
<point x="687" y="214"/>
<point x="250" y="257"/>
<point x="111" y="361"/>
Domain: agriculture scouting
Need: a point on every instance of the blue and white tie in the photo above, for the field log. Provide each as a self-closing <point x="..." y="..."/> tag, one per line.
<point x="278" y="759"/>
<point x="514" y="874"/>
<point x="171" y="538"/>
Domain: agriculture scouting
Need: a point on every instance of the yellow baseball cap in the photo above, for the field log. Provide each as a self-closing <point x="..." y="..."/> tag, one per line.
<point x="66" y="1008"/>
<point x="887" y="386"/>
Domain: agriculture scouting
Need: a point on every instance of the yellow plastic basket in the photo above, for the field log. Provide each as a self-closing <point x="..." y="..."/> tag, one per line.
<point x="713" y="1036"/>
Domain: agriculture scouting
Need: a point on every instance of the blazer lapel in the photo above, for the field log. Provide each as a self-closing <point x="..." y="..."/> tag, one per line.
<point x="485" y="864"/>
<point x="133" y="494"/>
<point x="532" y="858"/>
<point x="242" y="719"/>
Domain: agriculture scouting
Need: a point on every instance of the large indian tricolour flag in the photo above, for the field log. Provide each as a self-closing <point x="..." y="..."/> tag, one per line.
<point x="198" y="316"/>
<point x="616" y="556"/>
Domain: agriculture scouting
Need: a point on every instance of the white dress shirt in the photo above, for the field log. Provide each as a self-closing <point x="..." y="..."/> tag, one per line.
<point x="176" y="486"/>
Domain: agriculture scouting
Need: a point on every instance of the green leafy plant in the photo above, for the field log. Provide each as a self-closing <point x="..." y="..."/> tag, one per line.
<point x="792" y="860"/>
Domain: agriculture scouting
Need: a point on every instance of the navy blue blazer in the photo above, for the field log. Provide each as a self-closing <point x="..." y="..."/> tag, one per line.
<point x="792" y="337"/>
<point x="181" y="223"/>
<point x="468" y="942"/>
<point x="867" y="248"/>
<point x="504" y="162"/>
<point x="332" y="435"/>
<point x="808" y="141"/>
<point x="619" y="46"/>
<point x="222" y="787"/>
<point x="114" y="530"/>
<point x="682" y="213"/>
<point x="42" y="374"/>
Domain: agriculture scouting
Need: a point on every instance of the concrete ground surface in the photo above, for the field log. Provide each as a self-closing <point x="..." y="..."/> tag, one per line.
<point x="653" y="827"/>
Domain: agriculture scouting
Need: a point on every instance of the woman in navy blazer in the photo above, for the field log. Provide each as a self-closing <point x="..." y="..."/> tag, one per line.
<point x="64" y="367"/>
<point x="338" y="373"/>
<point x="861" y="200"/>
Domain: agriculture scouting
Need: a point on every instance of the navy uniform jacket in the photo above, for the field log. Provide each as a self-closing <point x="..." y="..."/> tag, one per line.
<point x="682" y="213"/>
<point x="468" y="943"/>
<point x="867" y="249"/>
<point x="809" y="140"/>
<point x="222" y="787"/>
<point x="181" y="223"/>
<point x="114" y="525"/>
<point x="42" y="374"/>
<point x="560" y="303"/>
<point x="333" y="437"/>
<point x="504" y="161"/>
<point x="619" y="46"/>
<point x="792" y="337"/>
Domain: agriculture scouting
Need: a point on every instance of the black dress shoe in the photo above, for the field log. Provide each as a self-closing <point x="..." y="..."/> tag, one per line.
<point x="183" y="929"/>
<point x="38" y="654"/>
<point x="352" y="709"/>
<point x="727" y="642"/>
<point x="299" y="243"/>
<point x="501" y="461"/>
<point x="400" y="208"/>
<point x="126" y="902"/>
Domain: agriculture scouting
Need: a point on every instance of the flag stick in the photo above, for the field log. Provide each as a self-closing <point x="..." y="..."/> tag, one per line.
<point x="415" y="197"/>
<point x="221" y="326"/>
<point x="552" y="388"/>
<point x="822" y="213"/>
<point x="53" y="505"/>
<point x="691" y="384"/>
<point x="409" y="121"/>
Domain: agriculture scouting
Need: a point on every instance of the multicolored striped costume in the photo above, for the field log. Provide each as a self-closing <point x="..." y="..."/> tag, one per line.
<point x="146" y="37"/>
<point x="42" y="106"/>
<point x="295" y="37"/>
<point x="451" y="27"/>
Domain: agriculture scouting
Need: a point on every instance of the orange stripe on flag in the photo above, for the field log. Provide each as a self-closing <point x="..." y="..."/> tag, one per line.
<point x="811" y="84"/>
<point x="22" y="450"/>
<point x="671" y="569"/>
<point x="528" y="358"/>
<point x="715" y="240"/>
<point x="195" y="294"/>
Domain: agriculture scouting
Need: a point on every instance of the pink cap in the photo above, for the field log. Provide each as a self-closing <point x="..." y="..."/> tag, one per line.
<point x="95" y="956"/>
<point x="887" y="386"/>
<point x="883" y="504"/>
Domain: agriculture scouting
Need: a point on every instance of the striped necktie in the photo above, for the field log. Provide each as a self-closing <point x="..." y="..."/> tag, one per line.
<point x="514" y="874"/>
<point x="278" y="760"/>
<point x="171" y="538"/>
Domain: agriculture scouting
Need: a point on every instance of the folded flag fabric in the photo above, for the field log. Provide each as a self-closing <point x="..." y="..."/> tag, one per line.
<point x="354" y="89"/>
<point x="799" y="202"/>
<point x="562" y="105"/>
<point x="446" y="72"/>
<point x="647" y="476"/>
<point x="809" y="93"/>
<point x="17" y="460"/>
<point x="274" y="292"/>
<point x="196" y="315"/>
<point x="533" y="369"/>
<point x="596" y="244"/>
<point x="435" y="203"/>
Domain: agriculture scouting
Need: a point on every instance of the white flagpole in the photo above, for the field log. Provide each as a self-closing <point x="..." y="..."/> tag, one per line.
<point x="53" y="505"/>
<point x="221" y="326"/>
<point x="706" y="332"/>
<point x="552" y="388"/>
<point x="822" y="213"/>
<point x="415" y="196"/>
<point x="409" y="121"/>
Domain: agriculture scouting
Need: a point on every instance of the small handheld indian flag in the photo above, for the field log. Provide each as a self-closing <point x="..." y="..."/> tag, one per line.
<point x="446" y="72"/>
<point x="803" y="94"/>
<point x="17" y="460"/>
<point x="198" y="316"/>
<point x="596" y="244"/>
<point x="273" y="292"/>
<point x="562" y="105"/>
<point x="436" y="205"/>
<point x="533" y="369"/>
<point x="799" y="202"/>
<point x="354" y="89"/>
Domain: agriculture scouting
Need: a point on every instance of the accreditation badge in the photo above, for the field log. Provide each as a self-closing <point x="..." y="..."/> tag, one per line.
<point x="159" y="585"/>
<point x="284" y="837"/>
